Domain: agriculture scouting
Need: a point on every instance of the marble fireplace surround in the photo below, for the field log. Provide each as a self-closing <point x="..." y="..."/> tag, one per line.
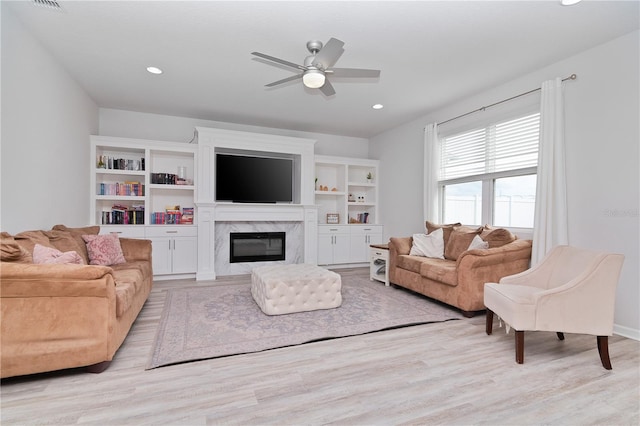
<point x="216" y="220"/>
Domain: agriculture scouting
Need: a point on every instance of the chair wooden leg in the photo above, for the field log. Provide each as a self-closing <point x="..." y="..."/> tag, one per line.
<point x="519" y="346"/>
<point x="603" y="349"/>
<point x="489" y="322"/>
<point x="560" y="335"/>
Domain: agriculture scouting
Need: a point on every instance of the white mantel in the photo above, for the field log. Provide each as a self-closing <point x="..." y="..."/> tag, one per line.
<point x="209" y="211"/>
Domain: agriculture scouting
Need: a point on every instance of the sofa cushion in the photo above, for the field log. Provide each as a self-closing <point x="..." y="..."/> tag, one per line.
<point x="441" y="270"/>
<point x="104" y="249"/>
<point x="66" y="241"/>
<point x="42" y="254"/>
<point x="11" y="251"/>
<point x="497" y="237"/>
<point x="446" y="229"/>
<point x="76" y="234"/>
<point x="125" y="295"/>
<point x="478" y="244"/>
<point x="410" y="263"/>
<point x="126" y="273"/>
<point x="28" y="239"/>
<point x="431" y="245"/>
<point x="459" y="241"/>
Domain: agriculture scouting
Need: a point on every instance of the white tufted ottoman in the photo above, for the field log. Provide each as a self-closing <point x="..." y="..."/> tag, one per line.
<point x="284" y="289"/>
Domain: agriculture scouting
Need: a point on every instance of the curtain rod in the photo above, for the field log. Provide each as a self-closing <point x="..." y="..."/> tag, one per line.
<point x="571" y="77"/>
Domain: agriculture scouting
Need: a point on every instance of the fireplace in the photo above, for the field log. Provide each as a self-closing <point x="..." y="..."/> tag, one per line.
<point x="256" y="246"/>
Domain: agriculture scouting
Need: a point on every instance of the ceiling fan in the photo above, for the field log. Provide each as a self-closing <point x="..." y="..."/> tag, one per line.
<point x="319" y="65"/>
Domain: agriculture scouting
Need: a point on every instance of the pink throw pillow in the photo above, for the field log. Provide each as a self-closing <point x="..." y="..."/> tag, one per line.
<point x="104" y="249"/>
<point x="42" y="254"/>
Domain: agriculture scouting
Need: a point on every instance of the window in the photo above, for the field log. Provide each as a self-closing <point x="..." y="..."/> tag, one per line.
<point x="488" y="175"/>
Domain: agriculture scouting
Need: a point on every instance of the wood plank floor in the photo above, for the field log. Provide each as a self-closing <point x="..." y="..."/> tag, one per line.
<point x="444" y="373"/>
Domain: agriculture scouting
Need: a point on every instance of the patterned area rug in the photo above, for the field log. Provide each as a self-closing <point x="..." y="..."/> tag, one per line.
<point x="220" y="320"/>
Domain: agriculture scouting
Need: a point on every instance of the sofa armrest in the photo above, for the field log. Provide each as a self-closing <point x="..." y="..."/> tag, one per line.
<point x="477" y="267"/>
<point x="400" y="245"/>
<point x="136" y="249"/>
<point x="24" y="280"/>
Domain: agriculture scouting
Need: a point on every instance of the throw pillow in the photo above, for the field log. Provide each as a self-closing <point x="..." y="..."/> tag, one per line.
<point x="478" y="243"/>
<point x="497" y="237"/>
<point x="431" y="245"/>
<point x="104" y="249"/>
<point x="446" y="228"/>
<point x="11" y="251"/>
<point x="42" y="254"/>
<point x="459" y="241"/>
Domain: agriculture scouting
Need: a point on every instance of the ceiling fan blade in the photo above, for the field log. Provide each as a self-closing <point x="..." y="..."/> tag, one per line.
<point x="329" y="54"/>
<point x="280" y="61"/>
<point x="284" y="80"/>
<point x="327" y="89"/>
<point x="353" y="72"/>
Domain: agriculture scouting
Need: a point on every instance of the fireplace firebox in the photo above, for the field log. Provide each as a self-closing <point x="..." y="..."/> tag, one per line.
<point x="257" y="246"/>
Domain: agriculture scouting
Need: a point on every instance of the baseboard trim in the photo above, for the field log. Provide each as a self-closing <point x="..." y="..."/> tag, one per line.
<point x="629" y="332"/>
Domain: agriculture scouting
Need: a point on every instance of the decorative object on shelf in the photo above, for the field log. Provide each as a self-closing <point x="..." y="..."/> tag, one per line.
<point x="182" y="173"/>
<point x="106" y="162"/>
<point x="334" y="189"/>
<point x="316" y="184"/>
<point x="360" y="218"/>
<point x="351" y="198"/>
<point x="369" y="177"/>
<point x="333" y="218"/>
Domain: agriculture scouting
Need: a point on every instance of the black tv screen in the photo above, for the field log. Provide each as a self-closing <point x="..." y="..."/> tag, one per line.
<point x="252" y="179"/>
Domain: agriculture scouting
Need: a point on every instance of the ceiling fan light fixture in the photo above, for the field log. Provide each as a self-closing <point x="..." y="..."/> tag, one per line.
<point x="313" y="78"/>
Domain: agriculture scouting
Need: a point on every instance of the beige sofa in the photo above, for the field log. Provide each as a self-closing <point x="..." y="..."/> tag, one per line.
<point x="459" y="278"/>
<point x="58" y="316"/>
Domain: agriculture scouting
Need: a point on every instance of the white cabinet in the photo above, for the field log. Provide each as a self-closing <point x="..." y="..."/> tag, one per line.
<point x="175" y="249"/>
<point x="362" y="236"/>
<point x="347" y="187"/>
<point x="333" y="244"/>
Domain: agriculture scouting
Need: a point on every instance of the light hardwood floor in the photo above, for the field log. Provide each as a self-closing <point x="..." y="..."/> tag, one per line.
<point x="443" y="373"/>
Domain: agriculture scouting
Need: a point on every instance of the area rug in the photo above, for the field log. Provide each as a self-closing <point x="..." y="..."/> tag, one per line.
<point x="221" y="320"/>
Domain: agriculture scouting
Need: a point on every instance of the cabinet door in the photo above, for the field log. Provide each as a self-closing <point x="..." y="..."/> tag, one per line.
<point x="341" y="248"/>
<point x="325" y="249"/>
<point x="361" y="239"/>
<point x="161" y="255"/>
<point x="185" y="255"/>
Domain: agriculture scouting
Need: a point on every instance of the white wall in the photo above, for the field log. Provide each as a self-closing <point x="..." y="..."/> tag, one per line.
<point x="46" y="122"/>
<point x="602" y="136"/>
<point x="122" y="123"/>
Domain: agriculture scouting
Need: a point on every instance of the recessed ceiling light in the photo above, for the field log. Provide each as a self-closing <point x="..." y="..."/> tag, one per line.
<point x="569" y="2"/>
<point x="154" y="70"/>
<point x="378" y="106"/>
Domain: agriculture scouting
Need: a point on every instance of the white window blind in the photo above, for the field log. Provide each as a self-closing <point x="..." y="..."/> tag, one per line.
<point x="505" y="146"/>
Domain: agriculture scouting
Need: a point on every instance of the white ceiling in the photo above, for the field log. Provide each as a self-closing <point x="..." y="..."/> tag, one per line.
<point x="431" y="53"/>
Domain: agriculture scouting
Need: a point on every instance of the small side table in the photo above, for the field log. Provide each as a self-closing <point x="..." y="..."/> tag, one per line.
<point x="379" y="263"/>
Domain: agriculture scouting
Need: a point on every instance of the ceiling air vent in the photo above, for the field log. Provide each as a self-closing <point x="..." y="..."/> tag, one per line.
<point x="49" y="4"/>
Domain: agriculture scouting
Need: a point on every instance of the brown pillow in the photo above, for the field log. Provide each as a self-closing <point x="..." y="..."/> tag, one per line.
<point x="11" y="251"/>
<point x="76" y="234"/>
<point x="446" y="229"/>
<point x="28" y="239"/>
<point x="497" y="237"/>
<point x="67" y="241"/>
<point x="459" y="241"/>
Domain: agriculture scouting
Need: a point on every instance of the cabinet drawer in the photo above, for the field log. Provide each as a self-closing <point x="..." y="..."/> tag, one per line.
<point x="333" y="229"/>
<point x="171" y="231"/>
<point x="365" y="229"/>
<point x="125" y="231"/>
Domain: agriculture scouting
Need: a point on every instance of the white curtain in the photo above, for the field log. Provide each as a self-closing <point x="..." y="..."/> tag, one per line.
<point x="550" y="220"/>
<point x="431" y="165"/>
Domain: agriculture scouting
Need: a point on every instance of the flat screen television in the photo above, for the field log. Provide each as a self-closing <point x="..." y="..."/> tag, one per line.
<point x="254" y="179"/>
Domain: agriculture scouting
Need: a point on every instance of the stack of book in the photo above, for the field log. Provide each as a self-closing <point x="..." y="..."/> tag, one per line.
<point x="124" y="215"/>
<point x="187" y="216"/>
<point x="118" y="188"/>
